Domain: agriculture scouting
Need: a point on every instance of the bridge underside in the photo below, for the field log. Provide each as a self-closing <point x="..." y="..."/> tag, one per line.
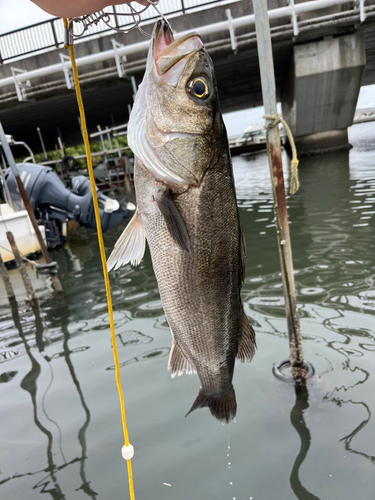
<point x="106" y="96"/>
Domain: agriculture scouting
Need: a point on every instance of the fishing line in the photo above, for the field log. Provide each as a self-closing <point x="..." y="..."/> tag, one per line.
<point x="127" y="449"/>
<point x="160" y="13"/>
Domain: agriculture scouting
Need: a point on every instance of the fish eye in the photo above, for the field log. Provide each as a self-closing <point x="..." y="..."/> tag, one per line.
<point x="198" y="88"/>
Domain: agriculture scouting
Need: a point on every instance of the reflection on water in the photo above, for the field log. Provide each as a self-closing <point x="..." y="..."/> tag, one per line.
<point x="85" y="486"/>
<point x="60" y="427"/>
<point x="298" y="422"/>
<point x="156" y="353"/>
<point x="29" y="384"/>
<point x="7" y="377"/>
<point x="348" y="439"/>
<point x="131" y="337"/>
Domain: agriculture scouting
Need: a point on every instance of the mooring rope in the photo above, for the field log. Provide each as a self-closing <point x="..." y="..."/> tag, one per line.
<point x="127" y="449"/>
<point x="274" y="121"/>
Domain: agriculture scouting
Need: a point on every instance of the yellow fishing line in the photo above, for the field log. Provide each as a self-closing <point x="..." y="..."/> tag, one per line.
<point x="128" y="447"/>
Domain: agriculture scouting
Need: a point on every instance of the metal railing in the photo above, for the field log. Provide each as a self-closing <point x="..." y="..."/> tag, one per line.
<point x="21" y="79"/>
<point x="50" y="34"/>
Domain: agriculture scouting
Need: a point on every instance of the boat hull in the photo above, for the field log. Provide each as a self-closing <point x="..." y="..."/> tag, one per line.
<point x="18" y="223"/>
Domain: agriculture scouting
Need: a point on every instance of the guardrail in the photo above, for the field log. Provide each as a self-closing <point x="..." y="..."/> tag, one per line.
<point x="50" y="34"/>
<point x="22" y="79"/>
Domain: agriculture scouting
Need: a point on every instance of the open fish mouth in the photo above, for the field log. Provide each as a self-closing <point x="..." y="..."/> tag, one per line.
<point x="162" y="36"/>
<point x="162" y="142"/>
<point x="167" y="51"/>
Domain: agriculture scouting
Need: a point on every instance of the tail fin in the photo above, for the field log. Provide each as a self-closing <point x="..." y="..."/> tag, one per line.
<point x="222" y="407"/>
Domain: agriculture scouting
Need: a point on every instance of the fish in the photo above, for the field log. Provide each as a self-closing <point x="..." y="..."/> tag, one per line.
<point x="187" y="211"/>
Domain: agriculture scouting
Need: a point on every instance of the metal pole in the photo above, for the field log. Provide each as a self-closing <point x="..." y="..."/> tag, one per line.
<point x="5" y="184"/>
<point x="105" y="158"/>
<point x="30" y="211"/>
<point x="7" y="282"/>
<point x="274" y="151"/>
<point x="115" y="12"/>
<point x="120" y="157"/>
<point x="109" y="137"/>
<point x="42" y="143"/>
<point x="31" y="297"/>
<point x="54" y="33"/>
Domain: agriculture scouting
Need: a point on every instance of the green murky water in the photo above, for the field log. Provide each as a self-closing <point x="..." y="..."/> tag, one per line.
<point x="60" y="427"/>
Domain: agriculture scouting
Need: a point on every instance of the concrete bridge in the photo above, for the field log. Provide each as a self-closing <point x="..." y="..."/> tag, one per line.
<point x="324" y="50"/>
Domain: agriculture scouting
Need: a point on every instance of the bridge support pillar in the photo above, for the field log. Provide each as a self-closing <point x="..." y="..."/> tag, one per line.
<point x="321" y="92"/>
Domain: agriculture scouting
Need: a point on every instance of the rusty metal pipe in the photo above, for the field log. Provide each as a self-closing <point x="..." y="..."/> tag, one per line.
<point x="30" y="297"/>
<point x="7" y="283"/>
<point x="281" y="214"/>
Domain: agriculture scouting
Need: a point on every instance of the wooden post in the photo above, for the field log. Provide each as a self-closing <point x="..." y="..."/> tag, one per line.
<point x="274" y="152"/>
<point x="30" y="297"/>
<point x="7" y="282"/>
<point x="55" y="280"/>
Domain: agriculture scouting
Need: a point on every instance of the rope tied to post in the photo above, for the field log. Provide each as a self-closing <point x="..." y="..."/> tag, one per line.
<point x="274" y="122"/>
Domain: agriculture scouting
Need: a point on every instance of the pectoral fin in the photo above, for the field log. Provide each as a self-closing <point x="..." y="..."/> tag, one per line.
<point x="130" y="247"/>
<point x="175" y="224"/>
<point x="178" y="363"/>
<point x="247" y="344"/>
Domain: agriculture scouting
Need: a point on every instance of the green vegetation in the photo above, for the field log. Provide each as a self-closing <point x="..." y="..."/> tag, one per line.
<point x="79" y="150"/>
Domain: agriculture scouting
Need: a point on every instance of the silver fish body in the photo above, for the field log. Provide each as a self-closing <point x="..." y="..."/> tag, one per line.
<point x="187" y="211"/>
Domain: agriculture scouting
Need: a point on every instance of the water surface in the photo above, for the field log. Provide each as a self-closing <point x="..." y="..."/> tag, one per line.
<point x="60" y="429"/>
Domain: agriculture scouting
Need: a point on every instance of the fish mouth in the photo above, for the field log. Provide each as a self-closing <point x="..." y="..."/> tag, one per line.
<point x="167" y="51"/>
<point x="161" y="37"/>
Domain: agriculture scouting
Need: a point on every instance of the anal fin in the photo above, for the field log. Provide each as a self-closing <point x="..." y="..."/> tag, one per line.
<point x="175" y="224"/>
<point x="177" y="362"/>
<point x="247" y="344"/>
<point x="130" y="247"/>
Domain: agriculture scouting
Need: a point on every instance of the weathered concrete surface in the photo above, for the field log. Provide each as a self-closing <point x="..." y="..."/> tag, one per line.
<point x="322" y="90"/>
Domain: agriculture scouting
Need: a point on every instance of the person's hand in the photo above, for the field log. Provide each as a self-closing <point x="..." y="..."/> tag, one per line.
<point x="74" y="8"/>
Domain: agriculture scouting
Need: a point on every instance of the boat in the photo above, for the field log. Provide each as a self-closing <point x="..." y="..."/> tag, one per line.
<point x="58" y="206"/>
<point x="364" y="115"/>
<point x="19" y="224"/>
<point x="253" y="139"/>
<point x="55" y="205"/>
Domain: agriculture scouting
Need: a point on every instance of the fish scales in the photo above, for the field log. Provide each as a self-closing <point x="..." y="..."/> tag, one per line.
<point x="187" y="211"/>
<point x="199" y="290"/>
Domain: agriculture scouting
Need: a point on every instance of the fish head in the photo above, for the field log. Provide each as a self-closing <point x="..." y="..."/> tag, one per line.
<point x="177" y="99"/>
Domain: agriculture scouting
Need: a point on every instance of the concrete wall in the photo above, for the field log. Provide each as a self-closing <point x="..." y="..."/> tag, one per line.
<point x="322" y="88"/>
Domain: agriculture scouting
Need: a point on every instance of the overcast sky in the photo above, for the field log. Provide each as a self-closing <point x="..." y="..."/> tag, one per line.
<point x="16" y="14"/>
